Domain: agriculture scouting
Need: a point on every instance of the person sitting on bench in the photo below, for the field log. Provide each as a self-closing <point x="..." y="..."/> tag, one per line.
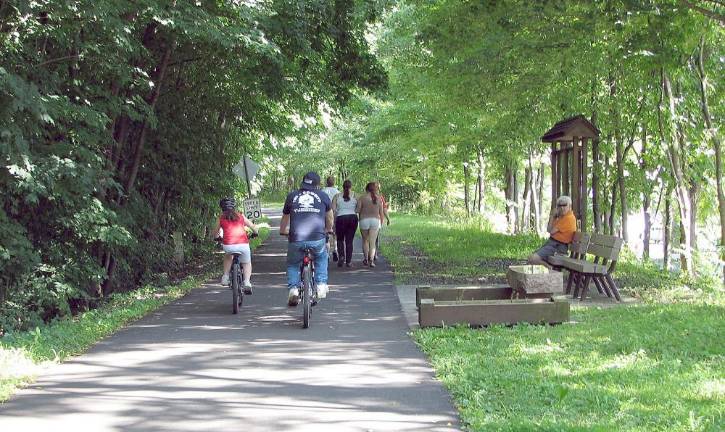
<point x="562" y="225"/>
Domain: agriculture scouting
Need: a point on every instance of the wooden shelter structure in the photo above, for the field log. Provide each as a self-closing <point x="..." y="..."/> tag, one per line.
<point x="569" y="152"/>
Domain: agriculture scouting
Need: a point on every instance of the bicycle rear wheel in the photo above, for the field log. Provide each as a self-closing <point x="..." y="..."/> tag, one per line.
<point x="236" y="292"/>
<point x="306" y="296"/>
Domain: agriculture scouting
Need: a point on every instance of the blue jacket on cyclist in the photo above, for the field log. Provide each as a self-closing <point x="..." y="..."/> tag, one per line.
<point x="306" y="218"/>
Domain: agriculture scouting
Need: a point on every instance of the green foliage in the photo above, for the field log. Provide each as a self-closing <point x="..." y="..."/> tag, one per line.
<point x="489" y="78"/>
<point x="656" y="368"/>
<point x="120" y="123"/>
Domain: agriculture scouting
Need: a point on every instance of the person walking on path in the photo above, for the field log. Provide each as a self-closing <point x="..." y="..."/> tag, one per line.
<point x="306" y="219"/>
<point x="331" y="191"/>
<point x="562" y="225"/>
<point x="370" y="209"/>
<point x="387" y="218"/>
<point x="235" y="240"/>
<point x="343" y="207"/>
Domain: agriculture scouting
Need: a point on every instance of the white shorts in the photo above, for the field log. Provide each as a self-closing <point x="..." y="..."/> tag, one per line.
<point x="245" y="254"/>
<point x="369" y="223"/>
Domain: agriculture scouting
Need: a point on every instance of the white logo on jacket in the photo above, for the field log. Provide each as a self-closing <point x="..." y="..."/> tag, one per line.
<point x="306" y="202"/>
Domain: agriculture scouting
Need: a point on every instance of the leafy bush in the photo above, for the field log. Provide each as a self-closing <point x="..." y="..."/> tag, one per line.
<point x="113" y="141"/>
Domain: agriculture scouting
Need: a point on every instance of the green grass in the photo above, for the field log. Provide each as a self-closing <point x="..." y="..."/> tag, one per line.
<point x="656" y="366"/>
<point x="640" y="368"/>
<point x="24" y="355"/>
<point x="461" y="250"/>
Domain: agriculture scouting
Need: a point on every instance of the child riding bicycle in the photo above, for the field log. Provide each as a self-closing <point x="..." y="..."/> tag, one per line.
<point x="235" y="240"/>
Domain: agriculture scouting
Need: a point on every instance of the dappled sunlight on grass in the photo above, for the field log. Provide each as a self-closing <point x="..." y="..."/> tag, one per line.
<point x="426" y="249"/>
<point x="637" y="368"/>
<point x="655" y="366"/>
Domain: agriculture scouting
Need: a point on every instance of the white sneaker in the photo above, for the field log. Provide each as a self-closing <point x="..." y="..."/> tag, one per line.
<point x="293" y="298"/>
<point x="247" y="288"/>
<point x="225" y="279"/>
<point x="322" y="290"/>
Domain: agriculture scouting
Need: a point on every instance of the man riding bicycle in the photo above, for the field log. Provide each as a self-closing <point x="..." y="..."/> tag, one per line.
<point x="306" y="219"/>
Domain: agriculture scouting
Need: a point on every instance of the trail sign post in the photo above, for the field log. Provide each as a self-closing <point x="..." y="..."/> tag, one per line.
<point x="252" y="208"/>
<point x="246" y="169"/>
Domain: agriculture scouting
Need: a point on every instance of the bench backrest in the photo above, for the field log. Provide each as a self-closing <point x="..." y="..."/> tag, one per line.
<point x="579" y="244"/>
<point x="605" y="246"/>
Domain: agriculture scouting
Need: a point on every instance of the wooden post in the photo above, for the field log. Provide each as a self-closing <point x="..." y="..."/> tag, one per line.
<point x="554" y="174"/>
<point x="575" y="179"/>
<point x="584" y="189"/>
<point x="564" y="161"/>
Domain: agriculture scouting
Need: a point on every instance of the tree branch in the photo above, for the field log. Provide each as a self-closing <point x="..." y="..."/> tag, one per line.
<point x="59" y="59"/>
<point x="707" y="12"/>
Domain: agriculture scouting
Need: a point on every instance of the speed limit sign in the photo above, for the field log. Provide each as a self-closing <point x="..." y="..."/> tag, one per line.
<point x="252" y="208"/>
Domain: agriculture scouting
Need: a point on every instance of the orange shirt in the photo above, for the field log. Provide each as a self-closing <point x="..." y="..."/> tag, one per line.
<point x="566" y="226"/>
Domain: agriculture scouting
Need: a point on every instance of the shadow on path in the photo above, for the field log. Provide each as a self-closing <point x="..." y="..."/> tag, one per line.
<point x="192" y="365"/>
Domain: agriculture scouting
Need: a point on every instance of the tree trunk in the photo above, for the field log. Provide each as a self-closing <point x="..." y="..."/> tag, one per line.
<point x="684" y="232"/>
<point x="647" y="226"/>
<point x="508" y="194"/>
<point x="526" y="213"/>
<point x="714" y="135"/>
<point x="153" y="98"/>
<point x="479" y="182"/>
<point x="694" y="190"/>
<point x="667" y="229"/>
<point x="613" y="210"/>
<point x="540" y="198"/>
<point x="466" y="181"/>
<point x="517" y="220"/>
<point x="674" y="154"/>
<point x="646" y="199"/>
<point x="606" y="215"/>
<point x="476" y="195"/>
<point x="595" y="180"/>
<point x="619" y="162"/>
<point x="622" y="190"/>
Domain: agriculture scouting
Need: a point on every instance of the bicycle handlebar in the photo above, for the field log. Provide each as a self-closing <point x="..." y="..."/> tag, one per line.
<point x="249" y="236"/>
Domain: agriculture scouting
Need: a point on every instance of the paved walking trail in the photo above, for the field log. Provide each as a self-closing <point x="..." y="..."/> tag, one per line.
<point x="193" y="366"/>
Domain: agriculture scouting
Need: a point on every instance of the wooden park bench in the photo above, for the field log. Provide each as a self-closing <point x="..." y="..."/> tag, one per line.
<point x="577" y="250"/>
<point x="605" y="250"/>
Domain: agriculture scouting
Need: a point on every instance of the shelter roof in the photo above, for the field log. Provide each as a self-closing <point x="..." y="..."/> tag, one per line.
<point x="566" y="130"/>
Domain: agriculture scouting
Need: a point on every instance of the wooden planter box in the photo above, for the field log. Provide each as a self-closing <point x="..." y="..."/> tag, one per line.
<point x="480" y="306"/>
<point x="468" y="293"/>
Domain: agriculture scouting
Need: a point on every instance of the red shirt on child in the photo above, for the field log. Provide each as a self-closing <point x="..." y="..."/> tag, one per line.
<point x="234" y="232"/>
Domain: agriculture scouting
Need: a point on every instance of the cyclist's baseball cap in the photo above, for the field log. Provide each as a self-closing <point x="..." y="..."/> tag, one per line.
<point x="310" y="181"/>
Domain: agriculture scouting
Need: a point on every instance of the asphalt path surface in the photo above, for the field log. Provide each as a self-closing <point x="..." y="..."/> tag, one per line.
<point x="194" y="366"/>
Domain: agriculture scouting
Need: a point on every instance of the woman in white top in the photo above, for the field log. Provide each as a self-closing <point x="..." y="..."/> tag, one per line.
<point x="343" y="207"/>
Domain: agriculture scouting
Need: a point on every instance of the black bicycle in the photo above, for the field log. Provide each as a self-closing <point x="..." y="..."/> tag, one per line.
<point x="236" y="276"/>
<point x="308" y="290"/>
<point x="308" y="293"/>
<point x="235" y="282"/>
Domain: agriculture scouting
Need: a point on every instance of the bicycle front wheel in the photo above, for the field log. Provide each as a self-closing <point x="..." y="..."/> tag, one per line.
<point x="306" y="296"/>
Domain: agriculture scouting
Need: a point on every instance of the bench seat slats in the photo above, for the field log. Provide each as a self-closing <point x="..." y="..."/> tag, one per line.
<point x="582" y="266"/>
